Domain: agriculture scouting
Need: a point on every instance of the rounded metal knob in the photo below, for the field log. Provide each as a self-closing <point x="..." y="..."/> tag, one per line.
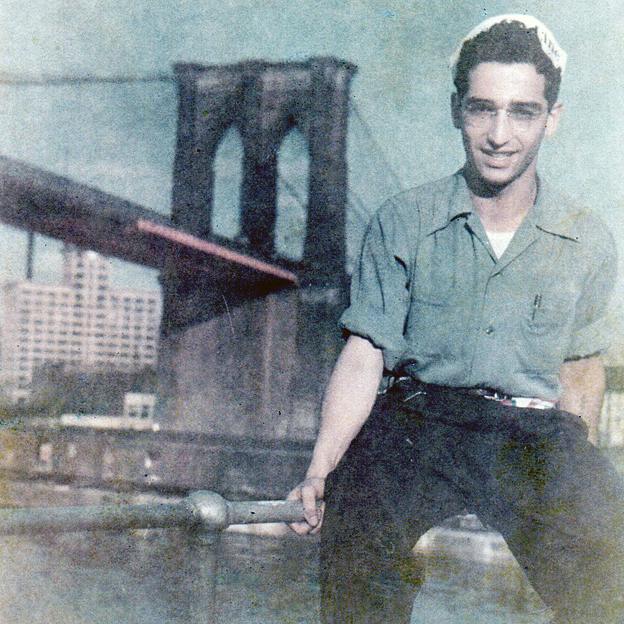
<point x="210" y="509"/>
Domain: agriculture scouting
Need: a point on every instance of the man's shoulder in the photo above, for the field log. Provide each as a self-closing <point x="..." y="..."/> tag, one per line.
<point x="567" y="216"/>
<point x="424" y="203"/>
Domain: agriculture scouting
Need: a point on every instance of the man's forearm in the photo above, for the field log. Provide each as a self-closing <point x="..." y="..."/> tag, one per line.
<point x="347" y="403"/>
<point x="583" y="386"/>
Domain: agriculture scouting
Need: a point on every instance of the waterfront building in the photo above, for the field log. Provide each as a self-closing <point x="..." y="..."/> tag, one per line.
<point x="83" y="323"/>
<point x="138" y="414"/>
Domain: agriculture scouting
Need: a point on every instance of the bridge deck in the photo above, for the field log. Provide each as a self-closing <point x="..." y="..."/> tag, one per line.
<point x="45" y="203"/>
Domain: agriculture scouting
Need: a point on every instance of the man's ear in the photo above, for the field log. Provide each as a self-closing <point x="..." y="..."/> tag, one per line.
<point x="456" y="110"/>
<point x="552" y="120"/>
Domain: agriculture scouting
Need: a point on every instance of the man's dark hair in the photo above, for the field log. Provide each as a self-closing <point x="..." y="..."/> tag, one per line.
<point x="507" y="42"/>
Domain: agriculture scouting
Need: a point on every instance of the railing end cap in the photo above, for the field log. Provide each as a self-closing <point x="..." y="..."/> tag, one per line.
<point x="209" y="509"/>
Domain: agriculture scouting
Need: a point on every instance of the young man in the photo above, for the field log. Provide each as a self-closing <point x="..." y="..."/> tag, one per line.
<point x="484" y="294"/>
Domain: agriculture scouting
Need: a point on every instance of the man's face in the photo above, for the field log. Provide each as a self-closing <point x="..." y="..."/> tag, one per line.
<point x="504" y="117"/>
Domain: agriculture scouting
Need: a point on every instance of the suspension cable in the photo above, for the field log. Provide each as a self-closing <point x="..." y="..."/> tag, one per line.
<point x="380" y="153"/>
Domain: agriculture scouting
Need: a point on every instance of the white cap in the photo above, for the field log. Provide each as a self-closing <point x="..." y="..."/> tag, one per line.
<point x="547" y="40"/>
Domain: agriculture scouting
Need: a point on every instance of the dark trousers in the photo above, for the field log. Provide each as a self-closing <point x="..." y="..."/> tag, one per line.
<point x="531" y="474"/>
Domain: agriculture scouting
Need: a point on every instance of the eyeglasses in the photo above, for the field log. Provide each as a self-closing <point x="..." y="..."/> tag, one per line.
<point x="520" y="116"/>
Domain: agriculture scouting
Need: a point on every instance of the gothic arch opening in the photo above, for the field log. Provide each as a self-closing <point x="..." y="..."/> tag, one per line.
<point x="228" y="178"/>
<point x="292" y="195"/>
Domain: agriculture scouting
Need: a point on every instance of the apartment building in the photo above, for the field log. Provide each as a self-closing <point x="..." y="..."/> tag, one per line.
<point x="83" y="323"/>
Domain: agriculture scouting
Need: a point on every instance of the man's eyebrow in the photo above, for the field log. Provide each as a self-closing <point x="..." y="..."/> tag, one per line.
<point x="536" y="106"/>
<point x="525" y="104"/>
<point x="475" y="100"/>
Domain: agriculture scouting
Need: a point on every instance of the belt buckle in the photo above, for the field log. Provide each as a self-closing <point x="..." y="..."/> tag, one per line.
<point x="495" y="396"/>
<point x="391" y="382"/>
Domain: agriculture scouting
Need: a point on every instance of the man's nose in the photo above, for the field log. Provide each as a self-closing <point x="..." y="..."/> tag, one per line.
<point x="500" y="129"/>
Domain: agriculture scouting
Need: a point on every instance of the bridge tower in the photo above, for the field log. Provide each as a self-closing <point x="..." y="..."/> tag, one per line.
<point x="252" y="360"/>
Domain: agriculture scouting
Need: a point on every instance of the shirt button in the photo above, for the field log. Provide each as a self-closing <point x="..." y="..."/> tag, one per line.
<point x="489" y="330"/>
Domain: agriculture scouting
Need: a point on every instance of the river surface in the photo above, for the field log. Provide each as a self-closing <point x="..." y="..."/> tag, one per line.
<point x="142" y="577"/>
<point x="137" y="579"/>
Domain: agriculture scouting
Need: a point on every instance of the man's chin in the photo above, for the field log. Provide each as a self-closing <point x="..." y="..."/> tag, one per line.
<point x="499" y="176"/>
<point x="489" y="181"/>
<point x="498" y="181"/>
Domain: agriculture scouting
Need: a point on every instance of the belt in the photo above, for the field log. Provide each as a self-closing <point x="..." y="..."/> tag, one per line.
<point x="512" y="401"/>
<point x="484" y="393"/>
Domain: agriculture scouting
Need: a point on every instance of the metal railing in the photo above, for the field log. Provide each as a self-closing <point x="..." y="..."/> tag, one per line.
<point x="203" y="514"/>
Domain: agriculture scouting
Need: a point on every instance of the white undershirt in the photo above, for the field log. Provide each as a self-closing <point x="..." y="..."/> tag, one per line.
<point x="499" y="241"/>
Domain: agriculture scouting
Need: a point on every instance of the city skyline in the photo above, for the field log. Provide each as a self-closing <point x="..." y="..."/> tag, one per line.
<point x="83" y="322"/>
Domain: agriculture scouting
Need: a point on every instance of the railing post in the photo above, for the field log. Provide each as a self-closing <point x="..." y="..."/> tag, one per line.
<point x="203" y="569"/>
<point x="211" y="514"/>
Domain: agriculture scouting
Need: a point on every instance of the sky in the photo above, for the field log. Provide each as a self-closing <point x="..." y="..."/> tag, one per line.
<point x="121" y="137"/>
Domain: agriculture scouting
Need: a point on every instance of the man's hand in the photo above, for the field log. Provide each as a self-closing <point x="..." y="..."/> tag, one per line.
<point x="309" y="491"/>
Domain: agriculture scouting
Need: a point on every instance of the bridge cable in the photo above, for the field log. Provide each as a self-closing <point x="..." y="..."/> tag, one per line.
<point x="381" y="155"/>
<point x="46" y="80"/>
<point x="359" y="208"/>
<point x="293" y="192"/>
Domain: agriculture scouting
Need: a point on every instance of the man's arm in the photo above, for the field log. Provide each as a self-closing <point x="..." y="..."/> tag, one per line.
<point x="583" y="384"/>
<point x="347" y="403"/>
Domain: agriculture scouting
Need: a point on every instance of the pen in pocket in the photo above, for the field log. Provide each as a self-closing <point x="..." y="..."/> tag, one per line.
<point x="537" y="302"/>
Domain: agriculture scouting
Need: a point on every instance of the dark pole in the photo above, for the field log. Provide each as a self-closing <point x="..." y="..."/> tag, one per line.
<point x="30" y="253"/>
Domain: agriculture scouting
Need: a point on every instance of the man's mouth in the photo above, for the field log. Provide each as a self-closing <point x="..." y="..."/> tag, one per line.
<point x="497" y="159"/>
<point x="498" y="155"/>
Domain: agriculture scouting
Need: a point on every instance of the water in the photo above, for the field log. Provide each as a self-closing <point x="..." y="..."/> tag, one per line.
<point x="142" y="577"/>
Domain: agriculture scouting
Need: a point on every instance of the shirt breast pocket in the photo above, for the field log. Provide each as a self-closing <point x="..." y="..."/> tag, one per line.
<point x="545" y="333"/>
<point x="549" y="314"/>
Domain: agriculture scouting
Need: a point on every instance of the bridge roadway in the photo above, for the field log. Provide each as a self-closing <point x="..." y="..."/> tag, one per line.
<point x="45" y="203"/>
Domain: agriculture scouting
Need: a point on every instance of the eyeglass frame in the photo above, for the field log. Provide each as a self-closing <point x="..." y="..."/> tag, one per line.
<point x="522" y="117"/>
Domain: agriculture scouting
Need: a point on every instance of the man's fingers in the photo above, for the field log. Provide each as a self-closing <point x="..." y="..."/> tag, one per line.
<point x="320" y="512"/>
<point x="308" y="497"/>
<point x="309" y="492"/>
<point x="294" y="494"/>
<point x="300" y="528"/>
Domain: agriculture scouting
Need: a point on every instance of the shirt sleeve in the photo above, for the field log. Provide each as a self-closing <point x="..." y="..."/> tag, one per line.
<point x="591" y="331"/>
<point x="380" y="286"/>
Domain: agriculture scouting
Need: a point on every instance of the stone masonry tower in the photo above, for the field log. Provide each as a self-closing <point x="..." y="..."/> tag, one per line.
<point x="243" y="360"/>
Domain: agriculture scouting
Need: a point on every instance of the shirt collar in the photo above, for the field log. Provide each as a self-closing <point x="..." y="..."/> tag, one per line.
<point x="548" y="213"/>
<point x="458" y="203"/>
<point x="553" y="215"/>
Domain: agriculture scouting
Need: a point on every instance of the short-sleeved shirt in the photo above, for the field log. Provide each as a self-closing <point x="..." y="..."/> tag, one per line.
<point x="430" y="292"/>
